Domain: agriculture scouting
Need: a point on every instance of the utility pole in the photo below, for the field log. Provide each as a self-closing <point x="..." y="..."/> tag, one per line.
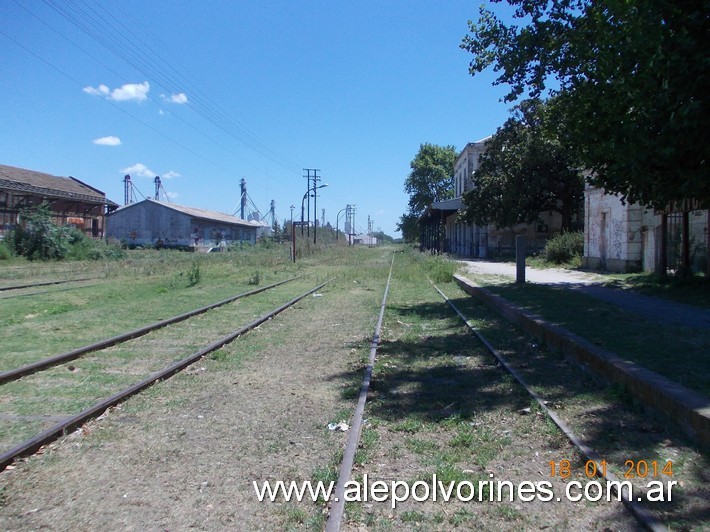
<point x="369" y="231"/>
<point x="350" y="223"/>
<point x="312" y="173"/>
<point x="243" y="196"/>
<point x="157" y="188"/>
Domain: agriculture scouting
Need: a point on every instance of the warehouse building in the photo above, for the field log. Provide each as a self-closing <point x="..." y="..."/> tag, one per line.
<point x="154" y="223"/>
<point x="71" y="202"/>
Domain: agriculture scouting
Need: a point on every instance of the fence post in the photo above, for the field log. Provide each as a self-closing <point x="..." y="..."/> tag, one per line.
<point x="520" y="259"/>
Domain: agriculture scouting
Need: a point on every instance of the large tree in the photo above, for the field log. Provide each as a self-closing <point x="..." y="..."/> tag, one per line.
<point x="633" y="78"/>
<point x="431" y="180"/>
<point x="525" y="170"/>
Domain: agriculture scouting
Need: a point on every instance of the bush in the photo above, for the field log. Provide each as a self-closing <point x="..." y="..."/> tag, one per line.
<point x="5" y="252"/>
<point x="564" y="248"/>
<point x="38" y="238"/>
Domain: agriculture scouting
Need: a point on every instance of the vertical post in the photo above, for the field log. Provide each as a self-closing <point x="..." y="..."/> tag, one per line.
<point x="242" y="198"/>
<point x="685" y="268"/>
<point x="315" y="210"/>
<point x="663" y="247"/>
<point x="293" y="240"/>
<point x="520" y="259"/>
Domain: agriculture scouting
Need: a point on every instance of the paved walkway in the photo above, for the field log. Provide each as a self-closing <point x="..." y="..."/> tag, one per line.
<point x="652" y="308"/>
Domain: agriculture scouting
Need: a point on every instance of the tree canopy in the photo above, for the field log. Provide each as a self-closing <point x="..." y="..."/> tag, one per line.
<point x="525" y="170"/>
<point x="431" y="180"/>
<point x="632" y="78"/>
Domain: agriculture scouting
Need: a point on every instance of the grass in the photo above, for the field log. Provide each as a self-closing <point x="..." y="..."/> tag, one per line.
<point x="629" y="336"/>
<point x="438" y="402"/>
<point x="692" y="291"/>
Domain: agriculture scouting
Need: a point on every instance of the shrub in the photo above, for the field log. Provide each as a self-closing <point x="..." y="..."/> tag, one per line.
<point x="193" y="274"/>
<point x="38" y="238"/>
<point x="5" y="252"/>
<point x="564" y="248"/>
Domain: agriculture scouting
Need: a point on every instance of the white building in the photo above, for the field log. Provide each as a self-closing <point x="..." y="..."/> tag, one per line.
<point x="627" y="237"/>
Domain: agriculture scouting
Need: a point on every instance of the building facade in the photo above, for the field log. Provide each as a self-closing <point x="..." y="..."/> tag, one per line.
<point x="442" y="231"/>
<point x="625" y="237"/>
<point x="70" y="201"/>
<point x="153" y="223"/>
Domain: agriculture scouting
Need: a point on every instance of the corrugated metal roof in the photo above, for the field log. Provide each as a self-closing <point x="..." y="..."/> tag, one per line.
<point x="22" y="180"/>
<point x="198" y="213"/>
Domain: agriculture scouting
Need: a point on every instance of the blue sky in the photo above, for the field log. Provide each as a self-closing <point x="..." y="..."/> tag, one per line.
<point x="206" y="93"/>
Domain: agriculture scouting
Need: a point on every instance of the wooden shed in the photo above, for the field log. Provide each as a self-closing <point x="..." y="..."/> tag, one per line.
<point x="154" y="223"/>
<point x="71" y="202"/>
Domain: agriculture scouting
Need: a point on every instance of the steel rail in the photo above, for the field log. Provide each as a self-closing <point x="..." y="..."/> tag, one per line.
<point x="23" y="371"/>
<point x="643" y="516"/>
<point x="45" y="283"/>
<point x="71" y="423"/>
<point x="335" y="516"/>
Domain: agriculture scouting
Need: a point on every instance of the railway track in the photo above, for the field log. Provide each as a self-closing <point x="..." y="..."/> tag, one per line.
<point x="28" y="369"/>
<point x="70" y="423"/>
<point x="419" y="393"/>
<point x="44" y="283"/>
<point x="337" y="507"/>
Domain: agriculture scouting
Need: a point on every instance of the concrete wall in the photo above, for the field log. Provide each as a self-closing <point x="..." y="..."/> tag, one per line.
<point x="613" y="238"/>
<point x="626" y="238"/>
<point x="146" y="223"/>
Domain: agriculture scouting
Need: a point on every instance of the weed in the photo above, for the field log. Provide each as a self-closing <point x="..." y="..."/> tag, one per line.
<point x="255" y="279"/>
<point x="194" y="274"/>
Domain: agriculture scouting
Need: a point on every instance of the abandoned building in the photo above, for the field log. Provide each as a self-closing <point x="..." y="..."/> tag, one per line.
<point x="624" y="237"/>
<point x="441" y="230"/>
<point x="154" y="223"/>
<point x="71" y="202"/>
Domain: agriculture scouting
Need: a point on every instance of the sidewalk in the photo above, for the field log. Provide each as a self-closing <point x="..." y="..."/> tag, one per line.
<point x="588" y="283"/>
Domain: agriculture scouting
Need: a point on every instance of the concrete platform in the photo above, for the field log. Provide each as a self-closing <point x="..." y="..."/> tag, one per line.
<point x="689" y="409"/>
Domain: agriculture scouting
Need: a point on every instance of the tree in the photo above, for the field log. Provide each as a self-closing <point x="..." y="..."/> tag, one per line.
<point x="633" y="79"/>
<point x="432" y="176"/>
<point x="525" y="170"/>
<point x="408" y="226"/>
<point x="431" y="180"/>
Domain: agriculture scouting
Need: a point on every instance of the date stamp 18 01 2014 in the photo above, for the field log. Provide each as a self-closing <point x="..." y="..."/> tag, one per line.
<point x="631" y="468"/>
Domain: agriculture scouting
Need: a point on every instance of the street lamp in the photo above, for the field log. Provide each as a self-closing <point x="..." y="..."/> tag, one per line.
<point x="302" y="202"/>
<point x="304" y="199"/>
<point x="315" y="210"/>
<point x="337" y="218"/>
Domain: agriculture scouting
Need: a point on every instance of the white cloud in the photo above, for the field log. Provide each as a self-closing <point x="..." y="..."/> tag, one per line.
<point x="108" y="141"/>
<point x="140" y="170"/>
<point x="131" y="91"/>
<point x="137" y="92"/>
<point x="172" y="195"/>
<point x="101" y="90"/>
<point x="180" y="98"/>
<point x="170" y="174"/>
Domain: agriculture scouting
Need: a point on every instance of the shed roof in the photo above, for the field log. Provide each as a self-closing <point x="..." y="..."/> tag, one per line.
<point x="33" y="182"/>
<point x="194" y="212"/>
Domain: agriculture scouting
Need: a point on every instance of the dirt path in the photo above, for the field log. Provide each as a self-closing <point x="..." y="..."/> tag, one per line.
<point x="651" y="308"/>
<point x="185" y="454"/>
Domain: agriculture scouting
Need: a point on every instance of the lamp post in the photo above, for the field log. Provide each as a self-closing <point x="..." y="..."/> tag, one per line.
<point x="313" y="190"/>
<point x="337" y="219"/>
<point x="315" y="211"/>
<point x="304" y="199"/>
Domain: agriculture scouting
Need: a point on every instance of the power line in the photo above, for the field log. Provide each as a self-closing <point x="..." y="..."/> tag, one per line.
<point x="98" y="26"/>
